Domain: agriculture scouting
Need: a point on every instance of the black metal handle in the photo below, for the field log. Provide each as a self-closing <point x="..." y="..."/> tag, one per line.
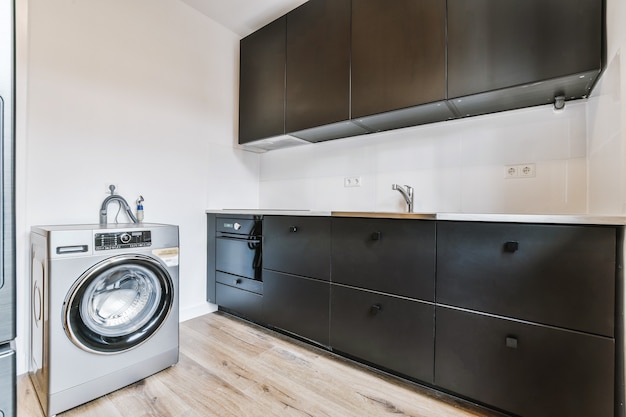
<point x="375" y="309"/>
<point x="511" y="246"/>
<point x="238" y="281"/>
<point x="511" y="342"/>
<point x="376" y="236"/>
<point x="293" y="229"/>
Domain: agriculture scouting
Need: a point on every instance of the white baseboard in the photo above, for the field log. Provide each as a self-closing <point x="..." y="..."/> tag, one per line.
<point x="198" y="310"/>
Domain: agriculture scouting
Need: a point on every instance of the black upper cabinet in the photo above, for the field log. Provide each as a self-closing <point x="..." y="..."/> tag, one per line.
<point x="262" y="83"/>
<point x="502" y="44"/>
<point x="337" y="68"/>
<point x="318" y="65"/>
<point x="398" y="61"/>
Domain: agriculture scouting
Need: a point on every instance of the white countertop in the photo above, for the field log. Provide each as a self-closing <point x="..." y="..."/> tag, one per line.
<point x="536" y="218"/>
<point x="476" y="217"/>
<point x="271" y="212"/>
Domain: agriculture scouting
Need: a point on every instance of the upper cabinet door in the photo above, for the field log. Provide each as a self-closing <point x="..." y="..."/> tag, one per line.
<point x="318" y="64"/>
<point x="398" y="54"/>
<point x="262" y="83"/>
<point x="495" y="44"/>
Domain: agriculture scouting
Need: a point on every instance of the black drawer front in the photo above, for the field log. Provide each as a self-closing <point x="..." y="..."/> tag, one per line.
<point x="297" y="245"/>
<point x="238" y="256"/>
<point x="392" y="332"/>
<point x="551" y="274"/>
<point x="525" y="369"/>
<point x="393" y="256"/>
<point x="298" y="305"/>
<point x="247" y="284"/>
<point x="244" y="303"/>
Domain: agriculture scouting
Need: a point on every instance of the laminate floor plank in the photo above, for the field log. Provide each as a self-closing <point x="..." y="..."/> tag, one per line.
<point x="229" y="367"/>
<point x="207" y="392"/>
<point x="154" y="397"/>
<point x="27" y="401"/>
<point x="233" y="370"/>
<point x="246" y="370"/>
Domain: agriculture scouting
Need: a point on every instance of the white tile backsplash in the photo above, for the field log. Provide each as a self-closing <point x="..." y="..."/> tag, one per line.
<point x="232" y="178"/>
<point x="606" y="117"/>
<point x="455" y="166"/>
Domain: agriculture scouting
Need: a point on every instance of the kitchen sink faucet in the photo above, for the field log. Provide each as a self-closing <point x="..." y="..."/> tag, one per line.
<point x="406" y="193"/>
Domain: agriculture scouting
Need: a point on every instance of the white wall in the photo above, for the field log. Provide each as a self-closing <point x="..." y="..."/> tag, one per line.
<point x="456" y="166"/>
<point x="607" y="122"/>
<point x="139" y="93"/>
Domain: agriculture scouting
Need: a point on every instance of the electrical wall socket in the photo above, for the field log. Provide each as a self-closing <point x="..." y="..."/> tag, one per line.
<point x="352" y="181"/>
<point x="527" y="170"/>
<point x="519" y="171"/>
<point x="510" y="171"/>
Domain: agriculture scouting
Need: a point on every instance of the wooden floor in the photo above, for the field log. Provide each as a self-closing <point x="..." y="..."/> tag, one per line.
<point x="229" y="367"/>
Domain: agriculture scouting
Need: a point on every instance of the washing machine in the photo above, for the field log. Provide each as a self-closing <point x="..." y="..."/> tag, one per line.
<point x="104" y="309"/>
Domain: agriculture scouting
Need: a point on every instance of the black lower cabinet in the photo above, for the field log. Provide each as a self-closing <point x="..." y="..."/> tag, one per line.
<point x="387" y="255"/>
<point x="241" y="302"/>
<point x="390" y="332"/>
<point x="561" y="275"/>
<point x="521" y="368"/>
<point x="297" y="305"/>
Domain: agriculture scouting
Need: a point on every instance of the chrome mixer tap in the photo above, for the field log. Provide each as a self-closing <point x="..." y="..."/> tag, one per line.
<point x="406" y="193"/>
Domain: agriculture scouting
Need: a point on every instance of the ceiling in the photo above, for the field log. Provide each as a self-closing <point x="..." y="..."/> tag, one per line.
<point x="244" y="16"/>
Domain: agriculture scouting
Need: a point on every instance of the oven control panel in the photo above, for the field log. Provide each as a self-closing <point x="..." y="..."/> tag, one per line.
<point x="123" y="240"/>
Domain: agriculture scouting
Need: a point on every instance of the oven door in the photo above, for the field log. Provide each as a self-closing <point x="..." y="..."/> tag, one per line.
<point x="239" y="256"/>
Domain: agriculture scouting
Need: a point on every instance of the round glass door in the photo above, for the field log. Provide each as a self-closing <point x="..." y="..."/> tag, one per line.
<point x="118" y="304"/>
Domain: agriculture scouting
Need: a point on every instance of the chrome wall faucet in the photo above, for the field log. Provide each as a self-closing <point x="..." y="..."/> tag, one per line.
<point x="406" y="193"/>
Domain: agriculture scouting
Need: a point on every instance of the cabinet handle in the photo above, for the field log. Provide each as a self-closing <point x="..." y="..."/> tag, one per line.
<point x="238" y="281"/>
<point x="293" y="229"/>
<point x="511" y="342"/>
<point x="376" y="236"/>
<point x="375" y="309"/>
<point x="511" y="246"/>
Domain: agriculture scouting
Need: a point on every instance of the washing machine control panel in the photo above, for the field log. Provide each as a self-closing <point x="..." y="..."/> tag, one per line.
<point x="123" y="240"/>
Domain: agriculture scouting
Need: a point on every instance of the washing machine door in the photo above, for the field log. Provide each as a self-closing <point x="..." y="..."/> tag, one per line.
<point x="118" y="304"/>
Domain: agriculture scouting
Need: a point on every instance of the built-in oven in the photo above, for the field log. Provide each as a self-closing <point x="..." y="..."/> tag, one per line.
<point x="238" y="253"/>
